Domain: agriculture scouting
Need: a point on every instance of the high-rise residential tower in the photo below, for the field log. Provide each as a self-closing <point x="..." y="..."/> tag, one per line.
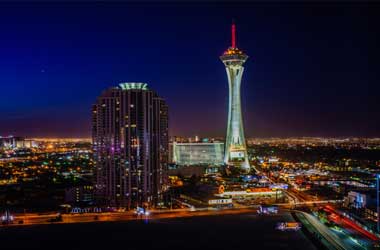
<point x="130" y="144"/>
<point x="235" y="147"/>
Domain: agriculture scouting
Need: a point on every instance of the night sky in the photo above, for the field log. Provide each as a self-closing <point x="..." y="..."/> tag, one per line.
<point x="313" y="69"/>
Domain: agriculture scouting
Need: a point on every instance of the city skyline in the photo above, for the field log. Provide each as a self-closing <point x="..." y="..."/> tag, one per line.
<point x="154" y="126"/>
<point x="327" y="88"/>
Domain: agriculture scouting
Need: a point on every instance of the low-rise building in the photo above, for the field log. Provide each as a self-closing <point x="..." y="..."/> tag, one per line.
<point x="79" y="195"/>
<point x="360" y="199"/>
<point x="199" y="153"/>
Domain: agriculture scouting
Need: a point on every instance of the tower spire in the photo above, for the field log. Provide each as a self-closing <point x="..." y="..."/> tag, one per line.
<point x="233" y="34"/>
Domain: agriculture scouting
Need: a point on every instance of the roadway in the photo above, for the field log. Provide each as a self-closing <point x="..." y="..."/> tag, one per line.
<point x="309" y="221"/>
<point x="295" y="199"/>
<point x="331" y="240"/>
<point x="224" y="232"/>
<point x="35" y="219"/>
<point x="339" y="219"/>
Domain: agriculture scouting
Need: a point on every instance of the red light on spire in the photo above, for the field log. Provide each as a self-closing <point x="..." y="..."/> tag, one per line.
<point x="233" y="34"/>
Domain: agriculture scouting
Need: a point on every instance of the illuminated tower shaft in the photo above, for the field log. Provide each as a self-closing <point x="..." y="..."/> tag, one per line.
<point x="236" y="149"/>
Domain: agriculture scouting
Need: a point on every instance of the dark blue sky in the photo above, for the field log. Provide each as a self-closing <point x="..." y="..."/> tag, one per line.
<point x="313" y="69"/>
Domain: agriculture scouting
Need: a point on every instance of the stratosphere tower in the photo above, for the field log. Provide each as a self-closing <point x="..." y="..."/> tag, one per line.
<point x="235" y="153"/>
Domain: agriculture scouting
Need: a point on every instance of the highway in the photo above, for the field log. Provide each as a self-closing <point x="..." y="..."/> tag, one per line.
<point x="347" y="223"/>
<point x="314" y="225"/>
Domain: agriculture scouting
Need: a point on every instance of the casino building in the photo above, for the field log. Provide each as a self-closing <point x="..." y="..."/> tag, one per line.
<point x="197" y="153"/>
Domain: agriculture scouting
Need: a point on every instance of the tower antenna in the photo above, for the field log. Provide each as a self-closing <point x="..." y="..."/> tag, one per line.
<point x="233" y="34"/>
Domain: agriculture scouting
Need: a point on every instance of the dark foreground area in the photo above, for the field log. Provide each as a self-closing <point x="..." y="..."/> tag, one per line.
<point x="230" y="232"/>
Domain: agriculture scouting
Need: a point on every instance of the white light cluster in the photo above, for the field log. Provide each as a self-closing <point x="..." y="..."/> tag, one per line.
<point x="133" y="85"/>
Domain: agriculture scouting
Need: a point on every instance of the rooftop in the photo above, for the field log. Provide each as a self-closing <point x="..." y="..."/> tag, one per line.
<point x="233" y="51"/>
<point x="133" y="85"/>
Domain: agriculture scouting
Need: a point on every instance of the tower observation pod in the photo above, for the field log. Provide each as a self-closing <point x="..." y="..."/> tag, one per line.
<point x="235" y="146"/>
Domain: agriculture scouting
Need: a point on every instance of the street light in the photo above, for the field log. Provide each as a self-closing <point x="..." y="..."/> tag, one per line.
<point x="377" y="205"/>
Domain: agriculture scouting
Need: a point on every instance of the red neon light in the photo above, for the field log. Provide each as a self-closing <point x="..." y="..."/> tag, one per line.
<point x="233" y="33"/>
<point x="349" y="223"/>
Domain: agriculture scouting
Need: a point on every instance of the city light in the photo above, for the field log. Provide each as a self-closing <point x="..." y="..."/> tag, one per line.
<point x="91" y="157"/>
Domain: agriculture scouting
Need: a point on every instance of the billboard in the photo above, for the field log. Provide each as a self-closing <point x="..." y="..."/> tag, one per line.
<point x="237" y="155"/>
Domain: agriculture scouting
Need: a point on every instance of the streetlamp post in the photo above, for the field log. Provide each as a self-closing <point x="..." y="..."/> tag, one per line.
<point x="378" y="205"/>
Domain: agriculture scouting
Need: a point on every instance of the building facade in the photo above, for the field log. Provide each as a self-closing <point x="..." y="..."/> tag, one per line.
<point x="201" y="153"/>
<point x="360" y="199"/>
<point x="130" y="144"/>
<point x="235" y="148"/>
<point x="79" y="195"/>
<point x="12" y="142"/>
